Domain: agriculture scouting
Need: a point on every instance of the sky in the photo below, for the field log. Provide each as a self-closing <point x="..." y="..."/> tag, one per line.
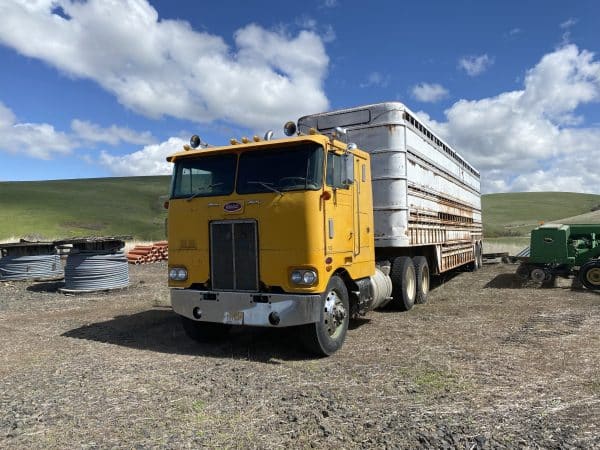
<point x="103" y="88"/>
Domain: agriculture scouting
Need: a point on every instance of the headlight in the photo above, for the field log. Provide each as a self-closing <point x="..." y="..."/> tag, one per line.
<point x="304" y="277"/>
<point x="178" y="274"/>
<point x="309" y="277"/>
<point x="296" y="277"/>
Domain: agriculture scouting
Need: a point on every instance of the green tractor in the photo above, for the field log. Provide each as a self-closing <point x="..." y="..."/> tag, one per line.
<point x="561" y="251"/>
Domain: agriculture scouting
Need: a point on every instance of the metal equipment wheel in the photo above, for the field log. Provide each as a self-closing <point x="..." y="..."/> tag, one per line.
<point x="404" y="283"/>
<point x="589" y="275"/>
<point x="326" y="336"/>
<point x="204" y="331"/>
<point x="538" y="274"/>
<point x="422" y="277"/>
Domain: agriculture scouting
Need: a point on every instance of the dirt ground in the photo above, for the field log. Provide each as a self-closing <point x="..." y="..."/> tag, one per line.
<point x="486" y="363"/>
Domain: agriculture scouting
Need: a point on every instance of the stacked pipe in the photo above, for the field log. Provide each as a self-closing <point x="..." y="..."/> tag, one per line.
<point x="143" y="254"/>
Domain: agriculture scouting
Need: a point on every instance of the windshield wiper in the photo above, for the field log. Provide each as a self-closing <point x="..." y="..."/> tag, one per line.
<point x="201" y="191"/>
<point x="266" y="186"/>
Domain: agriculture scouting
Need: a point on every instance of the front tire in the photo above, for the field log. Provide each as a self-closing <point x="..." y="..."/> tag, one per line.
<point x="589" y="275"/>
<point x="404" y="289"/>
<point x="204" y="331"/>
<point x="327" y="336"/>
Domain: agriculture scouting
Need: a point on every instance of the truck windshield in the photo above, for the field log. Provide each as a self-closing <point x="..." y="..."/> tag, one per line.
<point x="294" y="168"/>
<point x="204" y="177"/>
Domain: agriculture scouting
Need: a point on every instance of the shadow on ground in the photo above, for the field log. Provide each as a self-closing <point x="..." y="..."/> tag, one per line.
<point x="47" y="286"/>
<point x="160" y="330"/>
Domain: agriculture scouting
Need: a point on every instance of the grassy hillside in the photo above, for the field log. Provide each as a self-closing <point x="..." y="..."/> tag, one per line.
<point x="515" y="214"/>
<point x="109" y="206"/>
<point x="100" y="207"/>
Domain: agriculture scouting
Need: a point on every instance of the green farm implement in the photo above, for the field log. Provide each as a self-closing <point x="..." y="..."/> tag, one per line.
<point x="561" y="251"/>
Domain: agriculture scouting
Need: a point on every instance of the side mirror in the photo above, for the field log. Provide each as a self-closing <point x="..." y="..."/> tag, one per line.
<point x="348" y="170"/>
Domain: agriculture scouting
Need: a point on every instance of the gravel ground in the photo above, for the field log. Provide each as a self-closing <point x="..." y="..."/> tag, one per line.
<point x="486" y="363"/>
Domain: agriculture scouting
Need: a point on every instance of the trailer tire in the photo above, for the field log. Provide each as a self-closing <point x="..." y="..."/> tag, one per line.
<point x="422" y="277"/>
<point x="327" y="336"/>
<point x="589" y="275"/>
<point x="204" y="331"/>
<point x="404" y="291"/>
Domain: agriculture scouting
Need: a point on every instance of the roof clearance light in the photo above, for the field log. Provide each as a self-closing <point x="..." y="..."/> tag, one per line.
<point x="233" y="141"/>
<point x="289" y="128"/>
<point x="195" y="141"/>
<point x="256" y="138"/>
<point x="245" y="140"/>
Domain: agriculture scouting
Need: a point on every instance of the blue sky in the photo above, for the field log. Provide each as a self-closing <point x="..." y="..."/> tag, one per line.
<point x="100" y="88"/>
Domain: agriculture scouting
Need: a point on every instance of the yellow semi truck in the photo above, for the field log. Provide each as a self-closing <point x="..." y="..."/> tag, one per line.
<point x="353" y="210"/>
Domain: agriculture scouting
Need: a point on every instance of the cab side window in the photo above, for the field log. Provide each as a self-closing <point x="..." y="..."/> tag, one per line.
<point x="336" y="171"/>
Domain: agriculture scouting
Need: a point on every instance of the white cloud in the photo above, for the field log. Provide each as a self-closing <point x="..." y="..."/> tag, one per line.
<point x="376" y="79"/>
<point x="568" y="23"/>
<point x="429" y="93"/>
<point x="38" y="140"/>
<point x="43" y="141"/>
<point x="329" y="3"/>
<point x="526" y="139"/>
<point x="150" y="160"/>
<point x="164" y="67"/>
<point x="326" y="32"/>
<point x="112" y="135"/>
<point x="475" y="65"/>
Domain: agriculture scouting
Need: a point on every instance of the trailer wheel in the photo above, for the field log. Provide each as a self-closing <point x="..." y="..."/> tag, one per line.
<point x="326" y="336"/>
<point x="404" y="282"/>
<point x="589" y="275"/>
<point x="204" y="331"/>
<point x="422" y="277"/>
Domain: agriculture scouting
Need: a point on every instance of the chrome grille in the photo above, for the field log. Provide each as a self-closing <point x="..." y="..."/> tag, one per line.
<point x="234" y="255"/>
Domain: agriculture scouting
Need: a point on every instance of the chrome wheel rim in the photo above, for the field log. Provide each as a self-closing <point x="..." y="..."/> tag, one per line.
<point x="334" y="314"/>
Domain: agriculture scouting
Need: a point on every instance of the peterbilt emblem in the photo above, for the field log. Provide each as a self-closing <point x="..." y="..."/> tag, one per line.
<point x="232" y="206"/>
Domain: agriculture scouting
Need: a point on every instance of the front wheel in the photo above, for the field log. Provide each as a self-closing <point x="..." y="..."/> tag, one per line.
<point x="589" y="275"/>
<point x="326" y="336"/>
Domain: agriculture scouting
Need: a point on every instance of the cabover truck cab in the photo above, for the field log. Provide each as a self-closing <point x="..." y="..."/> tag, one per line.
<point x="274" y="233"/>
<point x="279" y="233"/>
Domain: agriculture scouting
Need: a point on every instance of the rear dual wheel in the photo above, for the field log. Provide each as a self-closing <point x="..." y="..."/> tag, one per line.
<point x="410" y="281"/>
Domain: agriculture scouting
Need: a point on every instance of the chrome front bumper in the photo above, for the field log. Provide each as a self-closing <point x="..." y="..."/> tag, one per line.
<point x="247" y="308"/>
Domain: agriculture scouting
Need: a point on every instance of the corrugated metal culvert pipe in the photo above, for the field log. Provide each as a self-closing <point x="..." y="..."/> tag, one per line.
<point x="29" y="261"/>
<point x="96" y="264"/>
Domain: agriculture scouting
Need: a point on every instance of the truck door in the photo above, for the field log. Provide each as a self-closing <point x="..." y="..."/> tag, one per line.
<point x="339" y="211"/>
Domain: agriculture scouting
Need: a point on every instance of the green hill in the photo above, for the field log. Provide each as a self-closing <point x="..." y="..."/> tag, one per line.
<point x="515" y="214"/>
<point x="133" y="206"/>
<point x="85" y="207"/>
